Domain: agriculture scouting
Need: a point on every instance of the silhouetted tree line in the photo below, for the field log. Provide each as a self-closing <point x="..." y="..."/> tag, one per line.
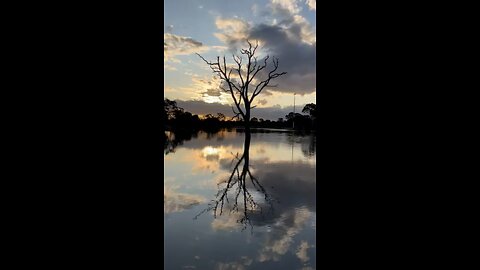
<point x="177" y="119"/>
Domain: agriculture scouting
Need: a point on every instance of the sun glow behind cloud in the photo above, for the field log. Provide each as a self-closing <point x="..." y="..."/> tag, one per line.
<point x="221" y="100"/>
<point x="208" y="151"/>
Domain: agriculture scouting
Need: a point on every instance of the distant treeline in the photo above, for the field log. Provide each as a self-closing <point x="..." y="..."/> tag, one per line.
<point x="177" y="119"/>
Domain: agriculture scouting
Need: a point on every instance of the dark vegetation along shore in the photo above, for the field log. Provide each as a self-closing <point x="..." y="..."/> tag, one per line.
<point x="179" y="120"/>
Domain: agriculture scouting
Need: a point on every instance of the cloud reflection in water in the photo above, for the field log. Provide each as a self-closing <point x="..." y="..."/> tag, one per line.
<point x="284" y="167"/>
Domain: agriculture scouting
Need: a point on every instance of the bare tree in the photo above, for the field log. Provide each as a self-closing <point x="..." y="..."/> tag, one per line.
<point x="241" y="92"/>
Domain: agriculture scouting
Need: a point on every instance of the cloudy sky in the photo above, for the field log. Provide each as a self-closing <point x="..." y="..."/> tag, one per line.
<point x="283" y="28"/>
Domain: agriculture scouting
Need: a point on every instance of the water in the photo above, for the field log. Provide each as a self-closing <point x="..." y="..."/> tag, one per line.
<point x="266" y="182"/>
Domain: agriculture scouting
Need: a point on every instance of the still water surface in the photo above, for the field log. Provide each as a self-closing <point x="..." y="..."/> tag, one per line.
<point x="236" y="200"/>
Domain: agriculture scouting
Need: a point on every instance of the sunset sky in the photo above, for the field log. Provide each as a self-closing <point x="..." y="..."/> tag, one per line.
<point x="283" y="28"/>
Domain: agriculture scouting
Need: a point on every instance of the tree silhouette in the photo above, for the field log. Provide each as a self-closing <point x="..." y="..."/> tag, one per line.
<point x="170" y="108"/>
<point x="310" y="109"/>
<point x="238" y="182"/>
<point x="220" y="116"/>
<point x="240" y="90"/>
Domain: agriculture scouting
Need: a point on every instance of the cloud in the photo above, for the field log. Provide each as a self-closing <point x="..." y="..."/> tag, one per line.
<point x="235" y="265"/>
<point x="286" y="13"/>
<point x="262" y="101"/>
<point x="296" y="57"/>
<point x="174" y="45"/>
<point x="278" y="242"/>
<point x="229" y="266"/>
<point x="255" y="9"/>
<point x="228" y="222"/>
<point x="169" y="67"/>
<point x="246" y="260"/>
<point x="205" y="89"/>
<point x="302" y="252"/>
<point x="212" y="92"/>
<point x="201" y="107"/>
<point x="209" y="157"/>
<point x="312" y="4"/>
<point x="291" y="39"/>
<point x="235" y="31"/>
<point x="177" y="202"/>
<point x="293" y="184"/>
<point x="289" y="5"/>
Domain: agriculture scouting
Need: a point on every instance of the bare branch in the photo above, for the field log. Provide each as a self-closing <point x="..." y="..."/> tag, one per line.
<point x="223" y="89"/>
<point x="239" y="70"/>
<point x="239" y="89"/>
<point x="236" y="114"/>
<point x="271" y="75"/>
<point x="260" y="68"/>
<point x="252" y="69"/>
<point x="205" y="60"/>
<point x="255" y="49"/>
<point x="224" y="65"/>
<point x="235" y="86"/>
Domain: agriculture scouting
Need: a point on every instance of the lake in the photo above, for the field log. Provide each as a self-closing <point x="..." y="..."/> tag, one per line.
<point x="240" y="200"/>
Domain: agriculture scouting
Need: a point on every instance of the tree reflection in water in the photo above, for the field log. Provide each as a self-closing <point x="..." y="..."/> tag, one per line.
<point x="239" y="182"/>
<point x="173" y="140"/>
<point x="238" y="192"/>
